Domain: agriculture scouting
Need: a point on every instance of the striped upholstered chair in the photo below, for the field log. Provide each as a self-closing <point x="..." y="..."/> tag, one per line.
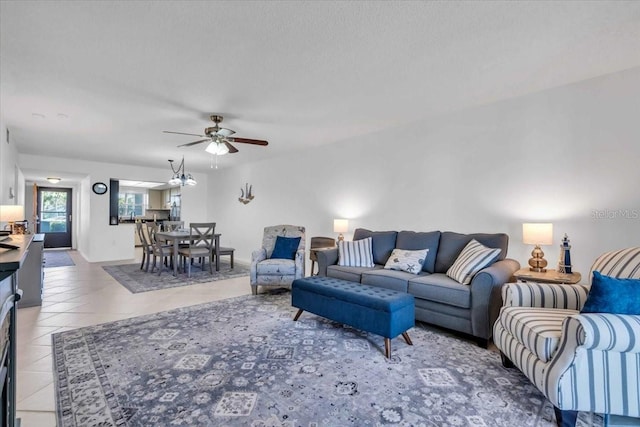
<point x="580" y="362"/>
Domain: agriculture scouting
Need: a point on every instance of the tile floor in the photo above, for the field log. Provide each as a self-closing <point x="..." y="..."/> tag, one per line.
<point x="85" y="295"/>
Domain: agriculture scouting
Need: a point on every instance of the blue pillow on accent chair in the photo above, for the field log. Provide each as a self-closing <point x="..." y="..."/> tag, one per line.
<point x="285" y="247"/>
<point x="613" y="295"/>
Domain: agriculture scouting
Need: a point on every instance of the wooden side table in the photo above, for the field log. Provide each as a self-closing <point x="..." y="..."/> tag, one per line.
<point x="549" y="276"/>
<point x="313" y="256"/>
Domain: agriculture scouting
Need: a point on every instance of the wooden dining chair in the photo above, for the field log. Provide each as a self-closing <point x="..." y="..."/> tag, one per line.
<point x="160" y="249"/>
<point x="172" y="225"/>
<point x="201" y="245"/>
<point x="147" y="248"/>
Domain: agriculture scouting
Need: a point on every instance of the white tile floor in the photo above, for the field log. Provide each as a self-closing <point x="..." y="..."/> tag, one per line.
<point x="85" y="295"/>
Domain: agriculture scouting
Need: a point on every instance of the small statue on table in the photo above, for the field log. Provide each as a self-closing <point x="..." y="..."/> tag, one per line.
<point x="564" y="263"/>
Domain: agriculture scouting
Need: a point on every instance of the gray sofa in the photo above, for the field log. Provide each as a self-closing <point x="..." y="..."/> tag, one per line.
<point x="439" y="300"/>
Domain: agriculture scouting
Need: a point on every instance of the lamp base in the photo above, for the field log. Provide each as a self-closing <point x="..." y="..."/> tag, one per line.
<point x="340" y="238"/>
<point x="537" y="261"/>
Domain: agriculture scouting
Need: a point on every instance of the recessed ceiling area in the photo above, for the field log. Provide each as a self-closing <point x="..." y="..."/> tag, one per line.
<point x="298" y="74"/>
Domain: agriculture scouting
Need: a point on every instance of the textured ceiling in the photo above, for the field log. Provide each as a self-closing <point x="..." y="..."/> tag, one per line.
<point x="295" y="73"/>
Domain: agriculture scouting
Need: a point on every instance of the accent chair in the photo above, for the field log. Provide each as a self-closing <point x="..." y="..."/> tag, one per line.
<point x="272" y="269"/>
<point x="579" y="361"/>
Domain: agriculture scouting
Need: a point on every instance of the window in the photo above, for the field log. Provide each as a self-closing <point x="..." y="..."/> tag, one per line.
<point x="131" y="203"/>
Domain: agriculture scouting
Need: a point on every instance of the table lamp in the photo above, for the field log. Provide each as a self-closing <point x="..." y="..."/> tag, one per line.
<point x="340" y="226"/>
<point x="11" y="214"/>
<point x="537" y="234"/>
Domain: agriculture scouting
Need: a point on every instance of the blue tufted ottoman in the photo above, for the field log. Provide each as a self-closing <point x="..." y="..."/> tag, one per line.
<point x="369" y="308"/>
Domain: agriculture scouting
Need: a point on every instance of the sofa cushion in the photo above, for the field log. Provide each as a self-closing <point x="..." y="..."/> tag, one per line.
<point x="355" y="254"/>
<point x="405" y="260"/>
<point x="383" y="242"/>
<point x="421" y="240"/>
<point x="440" y="288"/>
<point x="276" y="266"/>
<point x="352" y="274"/>
<point x="388" y="279"/>
<point x="473" y="258"/>
<point x="451" y="244"/>
<point x="538" y="329"/>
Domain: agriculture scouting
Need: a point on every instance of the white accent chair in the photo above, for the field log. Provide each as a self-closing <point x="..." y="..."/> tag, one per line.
<point x="277" y="272"/>
<point x="580" y="362"/>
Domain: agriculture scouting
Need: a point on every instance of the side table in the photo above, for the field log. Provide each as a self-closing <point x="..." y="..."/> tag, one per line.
<point x="549" y="276"/>
<point x="313" y="256"/>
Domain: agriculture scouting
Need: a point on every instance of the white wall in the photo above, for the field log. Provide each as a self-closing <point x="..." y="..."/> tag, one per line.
<point x="96" y="239"/>
<point x="555" y="156"/>
<point x="11" y="176"/>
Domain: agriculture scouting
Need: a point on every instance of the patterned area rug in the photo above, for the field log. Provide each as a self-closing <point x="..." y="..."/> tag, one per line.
<point x="131" y="277"/>
<point x="244" y="362"/>
<point x="57" y="259"/>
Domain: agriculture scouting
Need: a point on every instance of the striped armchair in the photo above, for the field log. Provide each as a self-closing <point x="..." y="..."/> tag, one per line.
<point x="580" y="362"/>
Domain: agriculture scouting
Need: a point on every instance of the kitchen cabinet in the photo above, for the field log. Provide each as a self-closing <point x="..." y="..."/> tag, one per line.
<point x="31" y="275"/>
<point x="156" y="200"/>
<point x="11" y="261"/>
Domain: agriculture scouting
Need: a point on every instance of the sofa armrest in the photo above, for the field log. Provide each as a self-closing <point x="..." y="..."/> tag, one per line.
<point x="299" y="262"/>
<point x="256" y="257"/>
<point x="590" y="352"/>
<point x="325" y="258"/>
<point x="610" y="332"/>
<point x="545" y="295"/>
<point x="485" y="295"/>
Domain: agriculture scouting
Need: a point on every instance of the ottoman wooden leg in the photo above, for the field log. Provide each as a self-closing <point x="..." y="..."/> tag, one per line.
<point x="387" y="348"/>
<point x="300" y="311"/>
<point x="405" y="335"/>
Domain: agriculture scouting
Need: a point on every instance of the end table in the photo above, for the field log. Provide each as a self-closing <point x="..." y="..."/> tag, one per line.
<point x="549" y="276"/>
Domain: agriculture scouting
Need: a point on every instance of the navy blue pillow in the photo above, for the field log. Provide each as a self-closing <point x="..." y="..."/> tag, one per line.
<point x="285" y="247"/>
<point x="613" y="295"/>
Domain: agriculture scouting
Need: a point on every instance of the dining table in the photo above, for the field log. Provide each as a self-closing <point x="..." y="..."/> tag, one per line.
<point x="177" y="236"/>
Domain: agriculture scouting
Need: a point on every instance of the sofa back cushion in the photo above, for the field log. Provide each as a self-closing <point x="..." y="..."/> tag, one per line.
<point x="451" y="244"/>
<point x="412" y="241"/>
<point x="383" y="242"/>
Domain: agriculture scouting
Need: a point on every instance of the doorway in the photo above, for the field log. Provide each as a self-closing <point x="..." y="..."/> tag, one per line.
<point x="54" y="216"/>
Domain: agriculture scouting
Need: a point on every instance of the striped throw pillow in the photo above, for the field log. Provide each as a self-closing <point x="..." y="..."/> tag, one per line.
<point x="355" y="254"/>
<point x="473" y="258"/>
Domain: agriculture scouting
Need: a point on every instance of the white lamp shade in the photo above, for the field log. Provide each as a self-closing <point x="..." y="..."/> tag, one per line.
<point x="340" y="225"/>
<point x="537" y="233"/>
<point x="11" y="213"/>
<point x="218" y="148"/>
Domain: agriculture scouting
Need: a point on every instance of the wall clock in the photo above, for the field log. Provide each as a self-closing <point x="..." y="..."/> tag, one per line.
<point x="99" y="188"/>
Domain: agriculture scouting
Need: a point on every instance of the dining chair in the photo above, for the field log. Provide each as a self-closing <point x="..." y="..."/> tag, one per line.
<point x="147" y="248"/>
<point x="172" y="225"/>
<point x="160" y="250"/>
<point x="201" y="245"/>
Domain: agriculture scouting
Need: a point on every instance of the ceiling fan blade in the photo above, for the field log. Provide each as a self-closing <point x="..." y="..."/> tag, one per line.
<point x="249" y="141"/>
<point x="189" y="144"/>
<point x="182" y="133"/>
<point x="231" y="148"/>
<point x="225" y="132"/>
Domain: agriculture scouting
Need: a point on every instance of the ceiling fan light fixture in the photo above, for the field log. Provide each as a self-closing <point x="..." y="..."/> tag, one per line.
<point x="217" y="148"/>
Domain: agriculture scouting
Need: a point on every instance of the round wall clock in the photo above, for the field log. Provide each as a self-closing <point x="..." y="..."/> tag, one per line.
<point x="99" y="188"/>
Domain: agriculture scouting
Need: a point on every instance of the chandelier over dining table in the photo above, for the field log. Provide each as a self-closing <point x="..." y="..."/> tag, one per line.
<point x="180" y="177"/>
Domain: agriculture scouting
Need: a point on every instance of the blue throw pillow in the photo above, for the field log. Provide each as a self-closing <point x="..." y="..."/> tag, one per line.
<point x="613" y="295"/>
<point x="285" y="247"/>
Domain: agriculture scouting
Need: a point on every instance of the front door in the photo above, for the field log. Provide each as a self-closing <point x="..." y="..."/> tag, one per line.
<point x="54" y="216"/>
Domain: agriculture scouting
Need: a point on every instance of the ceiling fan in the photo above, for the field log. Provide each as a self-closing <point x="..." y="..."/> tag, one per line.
<point x="219" y="138"/>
